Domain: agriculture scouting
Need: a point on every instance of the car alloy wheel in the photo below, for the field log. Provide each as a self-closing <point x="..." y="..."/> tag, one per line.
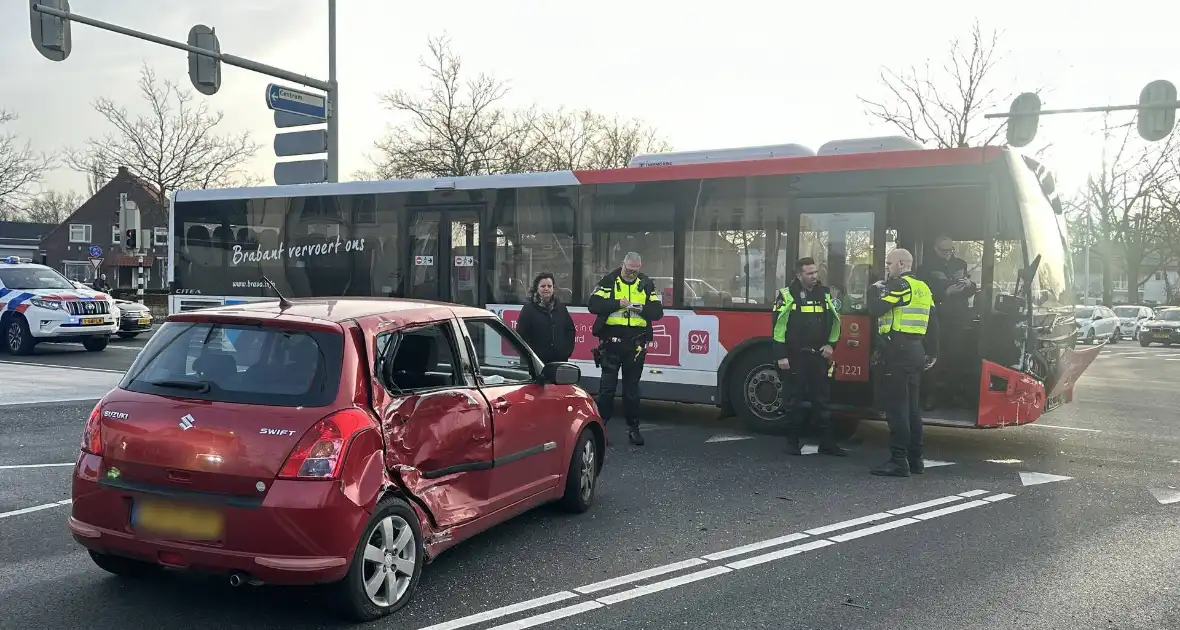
<point x="389" y="561"/>
<point x="15" y="336"/>
<point x="587" y="476"/>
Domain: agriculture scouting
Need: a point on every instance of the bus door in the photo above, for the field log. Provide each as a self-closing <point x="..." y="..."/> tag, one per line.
<point x="845" y="236"/>
<point x="444" y="256"/>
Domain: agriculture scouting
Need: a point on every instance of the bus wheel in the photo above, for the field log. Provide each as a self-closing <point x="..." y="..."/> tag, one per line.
<point x="755" y="390"/>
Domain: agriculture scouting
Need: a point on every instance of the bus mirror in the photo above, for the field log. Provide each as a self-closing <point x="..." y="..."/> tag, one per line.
<point x="1023" y="118"/>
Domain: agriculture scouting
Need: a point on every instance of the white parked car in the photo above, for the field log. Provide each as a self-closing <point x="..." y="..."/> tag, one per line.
<point x="39" y="304"/>
<point x="1096" y="323"/>
<point x="1131" y="319"/>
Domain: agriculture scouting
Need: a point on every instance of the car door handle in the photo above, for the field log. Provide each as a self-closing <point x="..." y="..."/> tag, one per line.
<point x="500" y="404"/>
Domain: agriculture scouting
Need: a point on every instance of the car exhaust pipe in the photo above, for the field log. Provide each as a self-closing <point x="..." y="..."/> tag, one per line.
<point x="236" y="579"/>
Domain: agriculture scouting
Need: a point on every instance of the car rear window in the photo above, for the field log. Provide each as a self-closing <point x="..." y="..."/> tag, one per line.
<point x="239" y="364"/>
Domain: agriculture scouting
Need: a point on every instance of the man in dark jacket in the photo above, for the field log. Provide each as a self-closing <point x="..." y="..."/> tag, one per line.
<point x="806" y="329"/>
<point x="625" y="302"/>
<point x="947" y="276"/>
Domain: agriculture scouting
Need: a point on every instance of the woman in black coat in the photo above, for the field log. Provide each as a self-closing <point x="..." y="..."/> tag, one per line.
<point x="544" y="322"/>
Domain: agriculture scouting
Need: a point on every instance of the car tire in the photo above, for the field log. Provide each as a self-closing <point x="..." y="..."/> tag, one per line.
<point x="95" y="344"/>
<point x="1143" y="342"/>
<point x="123" y="566"/>
<point x="391" y="518"/>
<point x="1089" y="338"/>
<point x="17" y="338"/>
<point x="581" y="480"/>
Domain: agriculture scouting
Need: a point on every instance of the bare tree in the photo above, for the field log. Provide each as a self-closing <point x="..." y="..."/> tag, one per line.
<point x="1121" y="210"/>
<point x="21" y="169"/>
<point x="52" y="206"/>
<point x="458" y="126"/>
<point x="944" y="106"/>
<point x="174" y="146"/>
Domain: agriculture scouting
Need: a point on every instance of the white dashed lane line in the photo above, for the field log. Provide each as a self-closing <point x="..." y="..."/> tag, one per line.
<point x="36" y="508"/>
<point x="705" y="567"/>
<point x="21" y="466"/>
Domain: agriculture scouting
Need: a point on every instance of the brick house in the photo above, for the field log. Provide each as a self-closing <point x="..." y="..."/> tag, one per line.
<point x="96" y="224"/>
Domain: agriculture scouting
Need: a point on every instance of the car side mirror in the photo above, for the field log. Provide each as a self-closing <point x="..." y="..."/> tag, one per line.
<point x="561" y="373"/>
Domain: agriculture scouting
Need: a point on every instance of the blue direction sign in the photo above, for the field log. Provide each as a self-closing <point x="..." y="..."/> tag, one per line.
<point x="284" y="99"/>
<point x="95" y="251"/>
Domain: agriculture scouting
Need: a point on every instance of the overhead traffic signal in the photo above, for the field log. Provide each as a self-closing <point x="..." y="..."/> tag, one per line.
<point x="129" y="239"/>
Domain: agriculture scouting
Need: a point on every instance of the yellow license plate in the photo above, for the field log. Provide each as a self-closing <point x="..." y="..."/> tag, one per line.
<point x="181" y="522"/>
<point x="145" y="320"/>
<point x="92" y="321"/>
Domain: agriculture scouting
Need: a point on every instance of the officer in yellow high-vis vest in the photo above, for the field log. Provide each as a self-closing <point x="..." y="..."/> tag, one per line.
<point x="626" y="303"/>
<point x="806" y="329"/>
<point x="907" y="332"/>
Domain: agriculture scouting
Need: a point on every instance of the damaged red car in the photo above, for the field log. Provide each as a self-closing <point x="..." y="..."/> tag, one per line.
<point x="344" y="442"/>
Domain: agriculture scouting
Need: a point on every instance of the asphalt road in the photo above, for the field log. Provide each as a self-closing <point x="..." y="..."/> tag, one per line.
<point x="1070" y="523"/>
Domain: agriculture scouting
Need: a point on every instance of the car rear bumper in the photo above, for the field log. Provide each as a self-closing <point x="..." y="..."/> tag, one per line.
<point x="300" y="533"/>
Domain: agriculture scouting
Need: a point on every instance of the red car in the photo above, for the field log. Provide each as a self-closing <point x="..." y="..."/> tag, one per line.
<point x="328" y="441"/>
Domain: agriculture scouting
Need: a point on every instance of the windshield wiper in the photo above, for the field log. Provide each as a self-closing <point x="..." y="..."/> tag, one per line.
<point x="200" y="387"/>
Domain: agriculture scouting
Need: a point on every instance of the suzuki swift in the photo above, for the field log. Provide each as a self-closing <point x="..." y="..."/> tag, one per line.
<point x="343" y="442"/>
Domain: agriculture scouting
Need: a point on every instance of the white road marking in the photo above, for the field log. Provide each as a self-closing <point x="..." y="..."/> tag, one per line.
<point x="935" y="463"/>
<point x="925" y="504"/>
<point x="716" y="569"/>
<point x="744" y="549"/>
<point x="639" y="576"/>
<point x="35" y="508"/>
<point x="1036" y="478"/>
<point x="1166" y="496"/>
<point x="503" y="611"/>
<point x="781" y="553"/>
<point x="1056" y="426"/>
<point x="63" y="367"/>
<point x="1005" y="461"/>
<point x="852" y="522"/>
<point x="78" y="345"/>
<point x="809" y="449"/>
<point x="662" y="585"/>
<point x="875" y="529"/>
<point x="950" y="510"/>
<point x="728" y="438"/>
<point x="998" y="497"/>
<point x="18" y="466"/>
<point x="553" y="615"/>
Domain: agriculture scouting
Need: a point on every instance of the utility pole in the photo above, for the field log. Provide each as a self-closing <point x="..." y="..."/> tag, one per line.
<point x="50" y="27"/>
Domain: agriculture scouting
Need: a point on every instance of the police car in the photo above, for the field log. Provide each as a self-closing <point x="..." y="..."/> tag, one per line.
<point x="39" y="304"/>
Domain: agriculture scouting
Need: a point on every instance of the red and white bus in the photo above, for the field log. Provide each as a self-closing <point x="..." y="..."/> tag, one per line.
<point x="718" y="232"/>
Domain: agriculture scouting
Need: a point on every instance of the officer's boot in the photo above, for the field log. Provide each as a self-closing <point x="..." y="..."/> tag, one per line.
<point x="793" y="447"/>
<point x="917" y="466"/>
<point x="897" y="466"/>
<point x="827" y="442"/>
<point x="633" y="434"/>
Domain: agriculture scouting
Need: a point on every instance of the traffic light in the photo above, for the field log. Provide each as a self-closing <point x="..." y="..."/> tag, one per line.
<point x="204" y="71"/>
<point x="1155" y="124"/>
<point x="128" y="222"/>
<point x="51" y="34"/>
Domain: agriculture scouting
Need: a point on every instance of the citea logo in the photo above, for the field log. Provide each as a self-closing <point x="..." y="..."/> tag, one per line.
<point x="187" y="422"/>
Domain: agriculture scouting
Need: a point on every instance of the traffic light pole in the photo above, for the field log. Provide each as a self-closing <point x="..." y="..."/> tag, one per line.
<point x="330" y="86"/>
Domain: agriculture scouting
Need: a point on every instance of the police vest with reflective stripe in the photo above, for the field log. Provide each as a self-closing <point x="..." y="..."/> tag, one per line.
<point x="632" y="292"/>
<point x="912" y="318"/>
<point x="815" y="303"/>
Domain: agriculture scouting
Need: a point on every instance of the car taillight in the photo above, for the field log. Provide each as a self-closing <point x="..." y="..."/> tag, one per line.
<point x="321" y="451"/>
<point x="91" y="435"/>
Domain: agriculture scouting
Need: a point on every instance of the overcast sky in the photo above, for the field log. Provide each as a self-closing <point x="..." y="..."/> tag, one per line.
<point x="707" y="74"/>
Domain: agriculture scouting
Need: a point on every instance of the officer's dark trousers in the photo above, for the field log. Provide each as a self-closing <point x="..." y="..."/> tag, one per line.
<point x="807" y="381"/>
<point x="905" y="359"/>
<point x="620" y="358"/>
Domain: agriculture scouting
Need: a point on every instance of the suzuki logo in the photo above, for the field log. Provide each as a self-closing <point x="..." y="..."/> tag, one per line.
<point x="187" y="421"/>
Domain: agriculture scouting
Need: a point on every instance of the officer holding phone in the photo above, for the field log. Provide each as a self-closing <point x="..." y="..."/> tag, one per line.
<point x="625" y="302"/>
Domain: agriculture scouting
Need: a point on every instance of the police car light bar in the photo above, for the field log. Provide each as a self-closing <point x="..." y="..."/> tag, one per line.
<point x="16" y="260"/>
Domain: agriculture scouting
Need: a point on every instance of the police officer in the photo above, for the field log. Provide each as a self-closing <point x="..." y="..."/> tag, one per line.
<point x="806" y="328"/>
<point x="625" y="302"/>
<point x="907" y="333"/>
